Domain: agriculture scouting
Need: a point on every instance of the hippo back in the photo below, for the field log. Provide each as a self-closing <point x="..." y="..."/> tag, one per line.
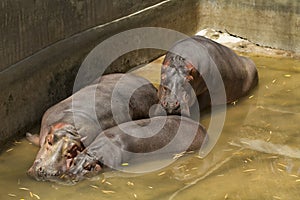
<point x="239" y="74"/>
<point x="114" y="99"/>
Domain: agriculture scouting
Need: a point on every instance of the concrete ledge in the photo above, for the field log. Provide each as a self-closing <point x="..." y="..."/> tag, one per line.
<point x="268" y="23"/>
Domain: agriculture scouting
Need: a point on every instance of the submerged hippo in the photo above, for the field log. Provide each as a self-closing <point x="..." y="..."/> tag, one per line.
<point x="71" y="125"/>
<point x="193" y="63"/>
<point x="70" y="160"/>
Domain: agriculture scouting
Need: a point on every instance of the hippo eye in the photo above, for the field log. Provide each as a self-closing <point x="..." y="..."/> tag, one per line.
<point x="164" y="89"/>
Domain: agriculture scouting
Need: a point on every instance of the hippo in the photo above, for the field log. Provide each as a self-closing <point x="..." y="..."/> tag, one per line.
<point x="191" y="64"/>
<point x="72" y="124"/>
<point x="157" y="135"/>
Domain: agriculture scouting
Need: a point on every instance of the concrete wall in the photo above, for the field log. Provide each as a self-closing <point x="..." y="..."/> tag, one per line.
<point x="43" y="43"/>
<point x="271" y="23"/>
<point x="29" y="26"/>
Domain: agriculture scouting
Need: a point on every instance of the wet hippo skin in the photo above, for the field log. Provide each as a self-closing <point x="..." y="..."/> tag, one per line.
<point x="72" y="161"/>
<point x="141" y="138"/>
<point x="193" y="63"/>
<point x="74" y="123"/>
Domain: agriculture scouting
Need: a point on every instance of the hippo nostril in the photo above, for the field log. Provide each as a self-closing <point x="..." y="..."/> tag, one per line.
<point x="40" y="170"/>
<point x="177" y="104"/>
<point x="30" y="172"/>
<point x="164" y="103"/>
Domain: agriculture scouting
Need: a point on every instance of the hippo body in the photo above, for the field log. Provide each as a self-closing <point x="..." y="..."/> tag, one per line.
<point x="192" y="63"/>
<point x="145" y="138"/>
<point x="71" y="125"/>
<point x="77" y="110"/>
<point x="121" y="143"/>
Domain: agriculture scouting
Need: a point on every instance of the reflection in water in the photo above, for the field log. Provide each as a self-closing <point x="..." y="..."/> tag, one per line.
<point x="256" y="157"/>
<point x="268" y="147"/>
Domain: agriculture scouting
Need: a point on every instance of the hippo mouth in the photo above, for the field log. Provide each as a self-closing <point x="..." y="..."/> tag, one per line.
<point x="55" y="160"/>
<point x="174" y="111"/>
<point x="62" y="157"/>
<point x="183" y="109"/>
<point x="72" y="153"/>
<point x="79" y="165"/>
<point x="38" y="172"/>
<point x="83" y="166"/>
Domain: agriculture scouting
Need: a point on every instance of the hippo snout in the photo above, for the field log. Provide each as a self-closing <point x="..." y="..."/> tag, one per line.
<point x="40" y="172"/>
<point x="30" y="172"/>
<point x="171" y="105"/>
<point x="35" y="173"/>
<point x="175" y="107"/>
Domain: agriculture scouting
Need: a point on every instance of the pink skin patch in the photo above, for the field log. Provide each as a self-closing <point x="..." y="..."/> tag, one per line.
<point x="59" y="125"/>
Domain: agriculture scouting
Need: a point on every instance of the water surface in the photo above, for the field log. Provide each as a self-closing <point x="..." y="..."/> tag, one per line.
<point x="256" y="157"/>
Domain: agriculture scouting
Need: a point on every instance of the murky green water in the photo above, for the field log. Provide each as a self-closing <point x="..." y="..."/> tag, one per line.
<point x="256" y="157"/>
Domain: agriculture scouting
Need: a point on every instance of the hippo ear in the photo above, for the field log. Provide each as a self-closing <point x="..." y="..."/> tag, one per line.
<point x="189" y="78"/>
<point x="192" y="72"/>
<point x="190" y="67"/>
<point x="163" y="76"/>
<point x="166" y="64"/>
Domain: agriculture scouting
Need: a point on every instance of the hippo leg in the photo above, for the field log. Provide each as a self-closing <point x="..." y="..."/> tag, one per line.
<point x="33" y="138"/>
<point x="204" y="100"/>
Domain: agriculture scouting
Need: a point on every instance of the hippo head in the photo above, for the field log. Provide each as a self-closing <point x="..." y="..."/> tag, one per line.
<point x="176" y="91"/>
<point x="57" y="152"/>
